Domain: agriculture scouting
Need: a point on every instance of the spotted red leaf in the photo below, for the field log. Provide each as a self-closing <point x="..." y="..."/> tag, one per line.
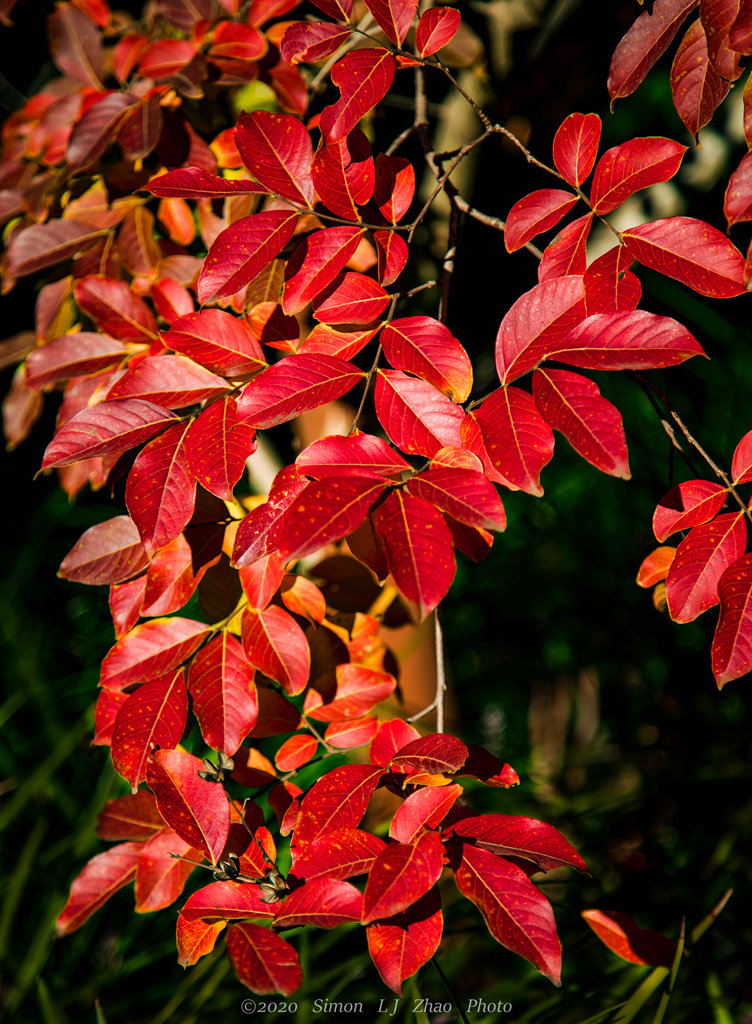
<point x="534" y="213"/>
<point x="153" y="716"/>
<point x="592" y="425"/>
<point x="173" y="382"/>
<point x="362" y="454"/>
<point x="195" y="183"/>
<point x="696" y="87"/>
<point x="195" y="939"/>
<point x="576" y="146"/>
<point x="644" y="42"/>
<point x="427" y="348"/>
<point x="700" y="561"/>
<point x="222" y="343"/>
<point x="566" y="254"/>
<point x="194" y="808"/>
<point x="323" y="902"/>
<point x="115" y="309"/>
<point x="225" y="901"/>
<point x="393" y="16"/>
<point x="610" y="286"/>
<point x="689" y="504"/>
<point x="338" y="800"/>
<point x="263" y="961"/>
<point x="434" y="754"/>
<point x="339" y="854"/>
<point x="425" y="808"/>
<point x="517" y="438"/>
<point x="363" y="78"/>
<point x="395" y="186"/>
<point x="632" y="166"/>
<point x="416" y="417"/>
<point x="343" y="173"/>
<point x="400" y="875"/>
<point x="276" y="645"/>
<point x="740" y="32"/>
<point x="509" y="835"/>
<point x="351" y="299"/>
<point x="258" y="533"/>
<point x="315" y="264"/>
<point x="294" y="385"/>
<point x="732" y="643"/>
<point x="391" y="252"/>
<point x="464" y="493"/>
<point x="100" y="878"/>
<point x="400" y="945"/>
<point x="217" y="446"/>
<point x="160" y="877"/>
<point x="517" y="914"/>
<point x="108" y="552"/>
<point x="277" y="150"/>
<point x="627" y="340"/>
<point x="309" y="41"/>
<point x="623" y="936"/>
<point x="223" y="691"/>
<point x="108" y="428"/>
<point x="391" y="737"/>
<point x="359" y="689"/>
<point x="437" y="27"/>
<point x="151" y="650"/>
<point x="242" y="251"/>
<point x="161" y="490"/>
<point x="419" y="549"/>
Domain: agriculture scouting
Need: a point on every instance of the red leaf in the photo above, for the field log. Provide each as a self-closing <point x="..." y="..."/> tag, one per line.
<point x="160" y="878"/>
<point x="627" y="340"/>
<point x="700" y="561"/>
<point x="741" y="464"/>
<point x="196" y="183"/>
<point x="97" y="128"/>
<point x="133" y="816"/>
<point x="363" y="77"/>
<point x="194" y="808"/>
<point x="173" y="382"/>
<point x="257" y="533"/>
<point x="488" y="768"/>
<point x="217" y="340"/>
<point x="223" y="691"/>
<point x="576" y="146"/>
<point x="535" y="213"/>
<point x="435" y="754"/>
<point x="327" y="510"/>
<point x="464" y="493"/>
<point x="609" y="284"/>
<point x="242" y="251"/>
<point x="737" y="203"/>
<point x="732" y="643"/>
<point x="648" y="38"/>
<point x="276" y="645"/>
<point x="516" y="913"/>
<point x="339" y="854"/>
<point x="339" y="10"/>
<point x="355" y="732"/>
<point x="173" y="575"/>
<point x="395" y="186"/>
<point x="393" y="16"/>
<point x="620" y="933"/>
<point x="717" y="18"/>
<point x="140" y="128"/>
<point x="655" y="567"/>
<point x="151" y="650"/>
<point x="427" y="348"/>
<point x="391" y="250"/>
<point x="512" y="836"/>
<point x="161" y="490"/>
<point x="419" y="549"/>
<point x="351" y="299"/>
<point x="294" y="385"/>
<point x="565" y="255"/>
<point x="105" y="429"/>
<point x="108" y="552"/>
<point x="632" y="166"/>
<point x="76" y="45"/>
<point x="740" y="33"/>
<point x="416" y="417"/>
<point x="400" y="875"/>
<point x="323" y="902"/>
<point x="153" y="716"/>
<point x="343" y="173"/>
<point x="537" y="323"/>
<point x="43" y="245"/>
<point x="309" y="41"/>
<point x="518" y="440"/>
<point x="689" y="504"/>
<point x="225" y="901"/>
<point x="101" y="877"/>
<point x="115" y="309"/>
<point x="295" y="752"/>
<point x="391" y="737"/>
<point x="277" y="150"/>
<point x="195" y="939"/>
<point x="437" y="27"/>
<point x="592" y="425"/>
<point x="338" y="800"/>
<point x="315" y="264"/>
<point x="425" y="808"/>
<point x="361" y="454"/>
<point x="696" y="86"/>
<point x="72" y="355"/>
<point x="359" y="689"/>
<point x="399" y="946"/>
<point x="217" y="446"/>
<point x="263" y="961"/>
<point x="261" y="580"/>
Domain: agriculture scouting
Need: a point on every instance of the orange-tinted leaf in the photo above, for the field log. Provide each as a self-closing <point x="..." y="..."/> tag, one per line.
<point x="195" y="939"/>
<point x="359" y="689"/>
<point x="102" y="876"/>
<point x="700" y="561"/>
<point x="689" y="504"/>
<point x="623" y="936"/>
<point x="632" y="166"/>
<point x="151" y="650"/>
<point x="323" y="902"/>
<point x="732" y="643"/>
<point x="295" y="752"/>
<point x="194" y="808"/>
<point x="655" y="567"/>
<point x="276" y="645"/>
<point x="263" y="961"/>
<point x="223" y="691"/>
<point x="576" y="146"/>
<point x="354" y="732"/>
<point x="154" y="716"/>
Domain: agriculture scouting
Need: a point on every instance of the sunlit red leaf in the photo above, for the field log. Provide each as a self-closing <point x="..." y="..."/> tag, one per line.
<point x="173" y="382"/>
<point x="277" y="150"/>
<point x="437" y="27"/>
<point x="395" y="186"/>
<point x="309" y="41"/>
<point x="217" y="340"/>
<point x="160" y="878"/>
<point x="516" y="913"/>
<point x="700" y="561"/>
<point x="194" y="808"/>
<point x="295" y="752"/>
<point x="351" y="299"/>
<point x="258" y="533"/>
<point x="509" y="835"/>
<point x="689" y="504"/>
<point x="435" y="754"/>
<point x="363" y="78"/>
<point x="517" y="438"/>
<point x="696" y="87"/>
<point x="339" y="854"/>
<point x="537" y="323"/>
<point x="195" y="183"/>
<point x="276" y="645"/>
<point x="105" y="429"/>
<point x="343" y="173"/>
<point x="655" y="567"/>
<point x="339" y="10"/>
<point x="353" y="732"/>
<point x="107" y="552"/>
<point x="399" y="946"/>
<point x="610" y="286"/>
<point x="242" y="251"/>
<point x="359" y="689"/>
<point x="392" y="736"/>
<point x="415" y="415"/>
<point x="592" y="425"/>
<point x="263" y="961"/>
<point x="393" y="16"/>
<point x="732" y="643"/>
<point x="566" y="254"/>
<point x="534" y="213"/>
<point x="323" y="902"/>
<point x="741" y="463"/>
<point x="292" y="386"/>
<point x="338" y="800"/>
<point x="174" y="573"/>
<point x="161" y="490"/>
<point x="425" y="808"/>
<point x="623" y="936"/>
<point x="115" y="309"/>
<point x="391" y="253"/>
<point x="644" y="42"/>
<point x="464" y="493"/>
<point x="737" y="203"/>
<point x="576" y="146"/>
<point x="631" y="166"/>
<point x="419" y="549"/>
<point x="101" y="877"/>
<point x="627" y="340"/>
<point x="217" y="446"/>
<point x="315" y="264"/>
<point x="427" y="348"/>
<point x="153" y="716"/>
<point x="223" y="691"/>
<point x="362" y="454"/>
<point x="400" y="875"/>
<point x="109" y="702"/>
<point x="151" y="650"/>
<point x="195" y="939"/>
